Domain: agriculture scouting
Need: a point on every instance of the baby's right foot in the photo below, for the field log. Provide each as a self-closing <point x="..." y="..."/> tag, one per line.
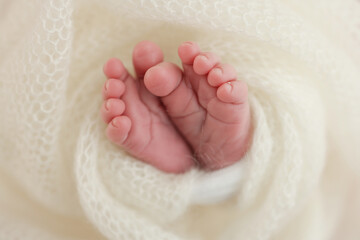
<point x="206" y="103"/>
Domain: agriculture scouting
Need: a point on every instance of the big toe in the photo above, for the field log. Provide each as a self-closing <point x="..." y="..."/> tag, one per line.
<point x="162" y="79"/>
<point x="146" y="54"/>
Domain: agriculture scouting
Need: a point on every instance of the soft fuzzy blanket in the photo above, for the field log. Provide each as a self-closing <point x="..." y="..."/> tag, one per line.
<point x="60" y="178"/>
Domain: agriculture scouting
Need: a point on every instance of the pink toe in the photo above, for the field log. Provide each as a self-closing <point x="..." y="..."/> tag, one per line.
<point x="112" y="108"/>
<point x="118" y="129"/>
<point x="162" y="79"/>
<point x="187" y="52"/>
<point x="204" y="62"/>
<point x="221" y="74"/>
<point x="113" y="88"/>
<point x="233" y="92"/>
<point x="146" y="54"/>
<point x="114" y="68"/>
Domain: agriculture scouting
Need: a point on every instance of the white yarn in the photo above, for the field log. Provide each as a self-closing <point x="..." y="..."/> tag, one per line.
<point x="214" y="187"/>
<point x="60" y="178"/>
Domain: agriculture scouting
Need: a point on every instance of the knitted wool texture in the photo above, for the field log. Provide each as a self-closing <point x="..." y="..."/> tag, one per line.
<point x="60" y="178"/>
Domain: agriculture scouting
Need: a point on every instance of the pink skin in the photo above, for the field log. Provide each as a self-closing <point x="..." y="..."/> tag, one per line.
<point x="136" y="120"/>
<point x="205" y="102"/>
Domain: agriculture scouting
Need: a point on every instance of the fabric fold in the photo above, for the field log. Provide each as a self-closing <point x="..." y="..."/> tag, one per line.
<point x="297" y="179"/>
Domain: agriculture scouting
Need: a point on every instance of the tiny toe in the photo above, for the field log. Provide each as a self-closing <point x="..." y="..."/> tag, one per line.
<point x="112" y="108"/>
<point x="146" y="54"/>
<point x="221" y="74"/>
<point x="187" y="52"/>
<point x="118" y="129"/>
<point x="113" y="88"/>
<point x="233" y="92"/>
<point x="204" y="62"/>
<point x="114" y="68"/>
<point x="162" y="79"/>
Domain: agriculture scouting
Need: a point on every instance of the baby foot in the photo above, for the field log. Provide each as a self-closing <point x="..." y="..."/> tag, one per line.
<point x="206" y="103"/>
<point x="136" y="119"/>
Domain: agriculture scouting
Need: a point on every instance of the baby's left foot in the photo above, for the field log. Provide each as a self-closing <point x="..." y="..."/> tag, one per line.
<point x="136" y="119"/>
<point x="206" y="103"/>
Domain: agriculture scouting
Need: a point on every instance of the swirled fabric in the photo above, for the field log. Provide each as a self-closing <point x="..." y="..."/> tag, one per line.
<point x="60" y="178"/>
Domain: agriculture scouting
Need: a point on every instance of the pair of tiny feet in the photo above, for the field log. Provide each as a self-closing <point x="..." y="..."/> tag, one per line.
<point x="173" y="118"/>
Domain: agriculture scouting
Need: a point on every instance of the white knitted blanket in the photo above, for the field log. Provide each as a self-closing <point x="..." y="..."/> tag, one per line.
<point x="60" y="178"/>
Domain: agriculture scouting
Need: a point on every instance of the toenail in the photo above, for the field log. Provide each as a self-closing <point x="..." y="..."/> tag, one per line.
<point x="107" y="85"/>
<point x="124" y="138"/>
<point x="107" y="105"/>
<point x="228" y="86"/>
<point x="203" y="57"/>
<point x="218" y="71"/>
<point x="115" y="123"/>
<point x="188" y="43"/>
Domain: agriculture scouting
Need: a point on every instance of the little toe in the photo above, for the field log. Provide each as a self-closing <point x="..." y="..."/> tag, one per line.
<point x="113" y="88"/>
<point x="118" y="129"/>
<point x="146" y="54"/>
<point x="221" y="74"/>
<point x="162" y="79"/>
<point x="112" y="108"/>
<point x="187" y="52"/>
<point x="204" y="62"/>
<point x="233" y="92"/>
<point x="114" y="68"/>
